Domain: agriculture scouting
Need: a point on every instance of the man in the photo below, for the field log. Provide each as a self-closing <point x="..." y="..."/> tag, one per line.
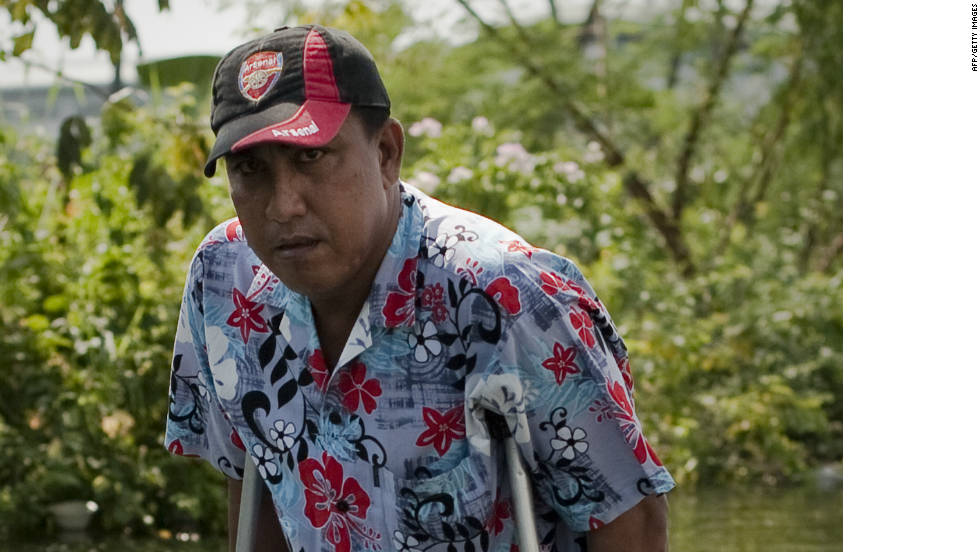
<point x="353" y="345"/>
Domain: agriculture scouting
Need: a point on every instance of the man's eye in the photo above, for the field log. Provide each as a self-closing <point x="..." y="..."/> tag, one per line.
<point x="247" y="165"/>
<point x="310" y="155"/>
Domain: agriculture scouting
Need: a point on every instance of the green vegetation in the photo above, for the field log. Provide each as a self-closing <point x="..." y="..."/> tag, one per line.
<point x="689" y="161"/>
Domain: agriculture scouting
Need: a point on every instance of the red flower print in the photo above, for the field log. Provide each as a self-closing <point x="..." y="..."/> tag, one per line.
<point x="595" y="523"/>
<point x="237" y="440"/>
<point x="400" y="305"/>
<point x="624" y="369"/>
<point x="175" y="447"/>
<point x="551" y="283"/>
<point x="234" y="231"/>
<point x="439" y="312"/>
<point x="246" y="316"/>
<point x="506" y="294"/>
<point x="356" y="390"/>
<point x="563" y="363"/>
<point x="431" y="295"/>
<point x="582" y="322"/>
<point x="518" y="245"/>
<point x="318" y="369"/>
<point x="433" y="298"/>
<point x="590" y="305"/>
<point x="501" y="511"/>
<point x="333" y="501"/>
<point x="629" y="425"/>
<point x="441" y="428"/>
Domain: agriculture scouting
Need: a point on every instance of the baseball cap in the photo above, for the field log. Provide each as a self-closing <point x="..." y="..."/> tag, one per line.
<point x="294" y="86"/>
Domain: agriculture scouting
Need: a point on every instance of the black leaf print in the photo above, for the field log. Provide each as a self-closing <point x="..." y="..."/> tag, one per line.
<point x="287" y="392"/>
<point x="279" y="371"/>
<point x="267" y="350"/>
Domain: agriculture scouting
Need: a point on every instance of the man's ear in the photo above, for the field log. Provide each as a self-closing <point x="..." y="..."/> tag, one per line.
<point x="391" y="145"/>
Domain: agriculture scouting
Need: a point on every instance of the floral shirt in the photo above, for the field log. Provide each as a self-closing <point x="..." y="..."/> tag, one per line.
<point x="389" y="450"/>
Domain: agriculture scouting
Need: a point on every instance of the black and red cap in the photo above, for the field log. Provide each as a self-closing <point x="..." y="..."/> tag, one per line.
<point x="293" y="86"/>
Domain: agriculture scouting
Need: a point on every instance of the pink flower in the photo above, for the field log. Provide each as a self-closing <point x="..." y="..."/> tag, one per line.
<point x="318" y="369"/>
<point x="582" y="322"/>
<point x="331" y="500"/>
<point x="399" y="308"/>
<point x="246" y="316"/>
<point x="356" y="390"/>
<point x="506" y="294"/>
<point x="442" y="428"/>
<point x="563" y="363"/>
<point x="518" y="245"/>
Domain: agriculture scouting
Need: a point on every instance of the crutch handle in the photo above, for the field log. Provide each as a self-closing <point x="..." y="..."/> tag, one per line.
<point x="520" y="483"/>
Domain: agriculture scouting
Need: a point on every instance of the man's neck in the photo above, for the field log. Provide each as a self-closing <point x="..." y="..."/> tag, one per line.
<point x="335" y="314"/>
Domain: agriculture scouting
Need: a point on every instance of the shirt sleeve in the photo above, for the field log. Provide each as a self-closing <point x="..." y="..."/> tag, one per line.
<point x="569" y="400"/>
<point x="196" y="424"/>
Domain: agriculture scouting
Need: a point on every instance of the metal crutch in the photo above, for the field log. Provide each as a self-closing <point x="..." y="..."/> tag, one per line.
<point x="520" y="482"/>
<point x="248" y="510"/>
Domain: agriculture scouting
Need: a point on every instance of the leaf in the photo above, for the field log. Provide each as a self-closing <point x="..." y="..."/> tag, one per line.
<point x="453" y="298"/>
<point x="23" y="42"/>
<point x="456" y="362"/>
<point x="305" y="377"/>
<point x="447" y="530"/>
<point x="484" y="541"/>
<point x="289" y="353"/>
<point x="463" y="531"/>
<point x="473" y="522"/>
<point x="267" y="350"/>
<point x="287" y="392"/>
<point x="279" y="371"/>
<point x="469" y="546"/>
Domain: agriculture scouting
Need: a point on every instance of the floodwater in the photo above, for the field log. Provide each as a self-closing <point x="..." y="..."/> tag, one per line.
<point x="723" y="520"/>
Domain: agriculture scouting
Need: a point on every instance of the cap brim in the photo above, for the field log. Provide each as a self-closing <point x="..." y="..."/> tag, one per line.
<point x="308" y="125"/>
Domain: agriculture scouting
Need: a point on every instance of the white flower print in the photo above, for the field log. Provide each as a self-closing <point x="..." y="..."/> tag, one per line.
<point x="264" y="461"/>
<point x="202" y="386"/>
<point x="441" y="249"/>
<point x="283" y="434"/>
<point x="425" y="342"/>
<point x="285" y="329"/>
<point x="225" y="379"/>
<point x="406" y="543"/>
<point x="217" y="344"/>
<point x="569" y="441"/>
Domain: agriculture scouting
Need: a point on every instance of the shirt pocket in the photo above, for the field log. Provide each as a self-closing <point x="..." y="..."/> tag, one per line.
<point x="451" y="511"/>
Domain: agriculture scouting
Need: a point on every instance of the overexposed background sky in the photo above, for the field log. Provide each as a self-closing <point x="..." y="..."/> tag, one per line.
<point x="213" y="27"/>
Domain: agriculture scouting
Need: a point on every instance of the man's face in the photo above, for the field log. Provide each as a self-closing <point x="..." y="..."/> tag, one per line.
<point x="320" y="219"/>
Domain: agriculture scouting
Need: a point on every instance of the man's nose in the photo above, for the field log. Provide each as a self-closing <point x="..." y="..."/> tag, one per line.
<point x="288" y="200"/>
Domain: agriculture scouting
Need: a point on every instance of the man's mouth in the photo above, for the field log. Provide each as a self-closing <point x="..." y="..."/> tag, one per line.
<point x="296" y="245"/>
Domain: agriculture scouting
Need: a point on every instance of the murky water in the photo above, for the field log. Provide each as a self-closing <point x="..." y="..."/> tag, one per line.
<point x="794" y="520"/>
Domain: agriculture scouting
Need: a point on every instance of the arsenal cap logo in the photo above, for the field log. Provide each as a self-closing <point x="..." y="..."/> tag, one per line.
<point x="259" y="74"/>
